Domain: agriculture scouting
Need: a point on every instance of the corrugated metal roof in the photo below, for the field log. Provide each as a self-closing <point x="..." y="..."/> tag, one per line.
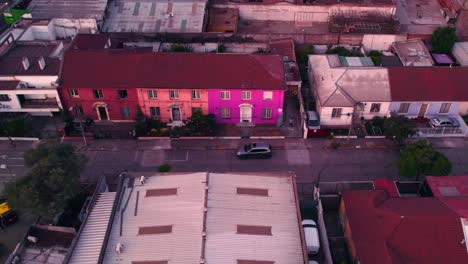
<point x="184" y="211"/>
<point x="44" y="9"/>
<point x="227" y="210"/>
<point x="89" y="245"/>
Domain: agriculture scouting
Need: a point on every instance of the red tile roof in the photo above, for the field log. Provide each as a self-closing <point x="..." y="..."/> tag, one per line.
<point x="285" y="48"/>
<point x="428" y="83"/>
<point x="448" y="186"/>
<point x="90" y="41"/>
<point x="112" y="68"/>
<point x="404" y="230"/>
<point x="388" y="186"/>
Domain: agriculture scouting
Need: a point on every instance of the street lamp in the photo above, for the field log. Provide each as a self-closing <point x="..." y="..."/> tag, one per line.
<point x="77" y="112"/>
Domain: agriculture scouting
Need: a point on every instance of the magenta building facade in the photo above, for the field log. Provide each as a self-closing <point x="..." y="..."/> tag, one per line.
<point x="233" y="106"/>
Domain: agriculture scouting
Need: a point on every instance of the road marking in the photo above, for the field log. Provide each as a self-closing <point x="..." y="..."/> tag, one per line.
<point x="15" y="165"/>
<point x="16" y="158"/>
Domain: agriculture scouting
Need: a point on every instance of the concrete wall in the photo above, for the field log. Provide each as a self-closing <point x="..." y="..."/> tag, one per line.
<point x="185" y="102"/>
<point x="433" y="108"/>
<point x="460" y="52"/>
<point x="40" y="32"/>
<point x="380" y="42"/>
<point x="301" y="13"/>
<point x="33" y="81"/>
<point x="257" y="103"/>
<point x="68" y="28"/>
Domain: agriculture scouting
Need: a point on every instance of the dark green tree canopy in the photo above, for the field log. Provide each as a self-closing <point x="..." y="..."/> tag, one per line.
<point x="421" y="158"/>
<point x="443" y="39"/>
<point x="52" y="179"/>
<point x="398" y="128"/>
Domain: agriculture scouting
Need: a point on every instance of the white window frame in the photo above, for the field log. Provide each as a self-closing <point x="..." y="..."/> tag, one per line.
<point x="226" y="114"/>
<point x="155" y="107"/>
<point x="152" y="94"/>
<point x="173" y="94"/>
<point x="73" y="93"/>
<point x="99" y="94"/>
<point x="445" y="108"/>
<point x="267" y="113"/>
<point x="378" y="105"/>
<point x="196" y="94"/>
<point x="404" y="108"/>
<point x="225" y="95"/>
<point x="246" y="95"/>
<point x="337" y="112"/>
<point x="267" y="95"/>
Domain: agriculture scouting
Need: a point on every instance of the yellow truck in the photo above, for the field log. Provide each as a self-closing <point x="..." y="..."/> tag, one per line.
<point x="7" y="216"/>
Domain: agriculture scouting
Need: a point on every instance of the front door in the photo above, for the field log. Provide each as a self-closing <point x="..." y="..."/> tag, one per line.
<point x="422" y="110"/>
<point x="176" y="114"/>
<point x="246" y="114"/>
<point x="102" y="112"/>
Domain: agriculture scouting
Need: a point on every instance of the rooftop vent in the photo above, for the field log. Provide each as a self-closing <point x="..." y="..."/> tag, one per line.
<point x="25" y="62"/>
<point x="42" y="63"/>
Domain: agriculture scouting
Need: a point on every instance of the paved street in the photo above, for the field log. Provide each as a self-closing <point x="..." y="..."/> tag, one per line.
<point x="12" y="159"/>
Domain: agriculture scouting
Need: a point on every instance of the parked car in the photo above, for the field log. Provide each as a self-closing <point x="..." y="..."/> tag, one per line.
<point x="313" y="121"/>
<point x="443" y="122"/>
<point x="311" y="236"/>
<point x="254" y="150"/>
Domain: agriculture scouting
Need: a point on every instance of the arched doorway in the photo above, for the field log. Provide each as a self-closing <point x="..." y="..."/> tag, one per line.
<point x="245" y="113"/>
<point x="101" y="110"/>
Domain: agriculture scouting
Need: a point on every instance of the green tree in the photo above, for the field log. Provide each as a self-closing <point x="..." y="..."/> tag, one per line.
<point x="398" y="128"/>
<point x="200" y="125"/>
<point x="180" y="48"/>
<point x="421" y="158"/>
<point x="52" y="180"/>
<point x="443" y="39"/>
<point x="302" y="54"/>
<point x="141" y="126"/>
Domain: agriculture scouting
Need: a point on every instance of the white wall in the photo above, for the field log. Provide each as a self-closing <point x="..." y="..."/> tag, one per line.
<point x="326" y="119"/>
<point x="432" y="109"/>
<point x="460" y="52"/>
<point x="380" y="42"/>
<point x="14" y="104"/>
<point x="33" y="81"/>
<point x="40" y="32"/>
<point x="463" y="108"/>
<point x="68" y="28"/>
<point x="300" y="13"/>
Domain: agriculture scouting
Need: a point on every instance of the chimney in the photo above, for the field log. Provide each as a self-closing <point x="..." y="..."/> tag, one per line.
<point x="25" y="62"/>
<point x="42" y="63"/>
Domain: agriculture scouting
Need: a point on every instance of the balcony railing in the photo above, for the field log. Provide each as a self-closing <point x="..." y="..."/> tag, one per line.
<point x="40" y="103"/>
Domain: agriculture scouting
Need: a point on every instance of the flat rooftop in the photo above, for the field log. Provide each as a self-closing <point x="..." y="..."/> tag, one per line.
<point x="211" y="217"/>
<point x="413" y="52"/>
<point x="71" y="9"/>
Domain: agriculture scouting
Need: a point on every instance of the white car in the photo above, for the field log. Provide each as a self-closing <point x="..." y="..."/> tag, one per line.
<point x="443" y="122"/>
<point x="311" y="236"/>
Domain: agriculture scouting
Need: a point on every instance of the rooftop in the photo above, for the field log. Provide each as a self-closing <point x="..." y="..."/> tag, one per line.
<point x="285" y="48"/>
<point x="51" y="246"/>
<point x="345" y="86"/>
<point x="448" y="186"/>
<point x="206" y="217"/>
<point x="413" y="52"/>
<point x="91" y="41"/>
<point x="71" y="9"/>
<point x="11" y="63"/>
<point x="223" y="19"/>
<point x="311" y="2"/>
<point x="123" y="68"/>
<point x="404" y="230"/>
<point x="428" y="83"/>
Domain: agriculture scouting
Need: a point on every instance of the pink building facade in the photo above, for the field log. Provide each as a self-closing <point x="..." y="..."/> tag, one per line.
<point x="233" y="106"/>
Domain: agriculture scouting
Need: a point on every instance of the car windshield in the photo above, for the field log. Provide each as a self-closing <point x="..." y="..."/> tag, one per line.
<point x="248" y="148"/>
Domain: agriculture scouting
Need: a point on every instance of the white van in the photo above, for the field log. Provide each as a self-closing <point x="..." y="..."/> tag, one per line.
<point x="313" y="121"/>
<point x="311" y="236"/>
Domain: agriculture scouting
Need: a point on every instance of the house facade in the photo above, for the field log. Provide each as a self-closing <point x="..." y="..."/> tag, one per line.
<point x="246" y="106"/>
<point x="28" y="78"/>
<point x="347" y="94"/>
<point x="111" y="84"/>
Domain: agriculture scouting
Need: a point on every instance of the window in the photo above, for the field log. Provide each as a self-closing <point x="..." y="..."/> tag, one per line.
<point x="73" y="93"/>
<point x="267" y="95"/>
<point x="195" y="94"/>
<point x="225" y="112"/>
<point x="4" y="97"/>
<point x="155" y="112"/>
<point x="336" y="112"/>
<point x="152" y="94"/>
<point x="246" y="96"/>
<point x="125" y="111"/>
<point x="174" y="94"/>
<point x="225" y="95"/>
<point x="122" y="94"/>
<point x="445" y="108"/>
<point x="404" y="108"/>
<point x="266" y="113"/>
<point x="196" y="109"/>
<point x="375" y="108"/>
<point x="97" y="94"/>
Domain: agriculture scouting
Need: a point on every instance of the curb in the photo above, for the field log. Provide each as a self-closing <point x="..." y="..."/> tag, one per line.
<point x="20" y="138"/>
